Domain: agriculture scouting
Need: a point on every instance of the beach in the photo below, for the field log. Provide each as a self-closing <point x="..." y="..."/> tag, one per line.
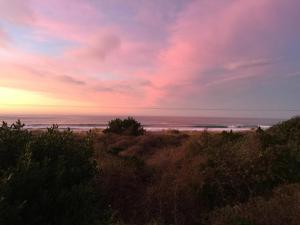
<point x="150" y="123"/>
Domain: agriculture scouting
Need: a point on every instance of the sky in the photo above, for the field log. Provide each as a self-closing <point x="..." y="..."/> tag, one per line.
<point x="159" y="57"/>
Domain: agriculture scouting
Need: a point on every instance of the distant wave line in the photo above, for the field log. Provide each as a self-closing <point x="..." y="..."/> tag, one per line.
<point x="160" y="108"/>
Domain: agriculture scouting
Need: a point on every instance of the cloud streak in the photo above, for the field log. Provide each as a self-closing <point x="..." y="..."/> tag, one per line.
<point x="249" y="64"/>
<point x="70" y="80"/>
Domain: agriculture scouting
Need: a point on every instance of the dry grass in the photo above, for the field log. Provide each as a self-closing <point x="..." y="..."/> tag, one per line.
<point x="184" y="177"/>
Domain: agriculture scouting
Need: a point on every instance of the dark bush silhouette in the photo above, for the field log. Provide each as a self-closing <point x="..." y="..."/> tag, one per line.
<point x="127" y="126"/>
<point x="197" y="178"/>
<point x="281" y="208"/>
<point x="49" y="179"/>
<point x="13" y="141"/>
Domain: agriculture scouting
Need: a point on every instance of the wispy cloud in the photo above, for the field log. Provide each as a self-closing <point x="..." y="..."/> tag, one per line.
<point x="133" y="86"/>
<point x="246" y="64"/>
<point x="99" y="48"/>
<point x="16" y="11"/>
<point x="209" y="35"/>
<point x="4" y="39"/>
<point x="70" y="80"/>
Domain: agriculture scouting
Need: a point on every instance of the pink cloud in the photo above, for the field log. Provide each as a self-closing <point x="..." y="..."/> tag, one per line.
<point x="3" y="38"/>
<point x="221" y="36"/>
<point x="69" y="20"/>
<point x="99" y="48"/>
<point x="17" y="11"/>
<point x="152" y="55"/>
<point x="249" y="63"/>
<point x="62" y="80"/>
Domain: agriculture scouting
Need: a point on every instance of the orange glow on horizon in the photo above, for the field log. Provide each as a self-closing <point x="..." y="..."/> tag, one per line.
<point x="13" y="100"/>
<point x="18" y="100"/>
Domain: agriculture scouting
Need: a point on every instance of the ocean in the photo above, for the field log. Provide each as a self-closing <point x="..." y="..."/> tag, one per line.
<point x="152" y="123"/>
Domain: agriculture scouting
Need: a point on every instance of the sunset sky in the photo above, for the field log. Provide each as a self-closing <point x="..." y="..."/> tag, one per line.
<point x="150" y="57"/>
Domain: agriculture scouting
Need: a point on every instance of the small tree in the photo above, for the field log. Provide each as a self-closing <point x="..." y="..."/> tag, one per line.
<point x="128" y="126"/>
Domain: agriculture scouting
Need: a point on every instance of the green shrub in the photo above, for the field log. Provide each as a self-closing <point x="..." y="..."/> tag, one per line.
<point x="13" y="142"/>
<point x="50" y="180"/>
<point x="281" y="208"/>
<point x="238" y="166"/>
<point x="127" y="126"/>
<point x="282" y="151"/>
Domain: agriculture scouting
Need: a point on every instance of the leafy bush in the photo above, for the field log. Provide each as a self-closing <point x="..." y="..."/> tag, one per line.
<point x="49" y="180"/>
<point x="281" y="208"/>
<point x="199" y="178"/>
<point x="282" y="151"/>
<point x="13" y="142"/>
<point x="238" y="166"/>
<point x="193" y="176"/>
<point x="127" y="126"/>
<point x="287" y="132"/>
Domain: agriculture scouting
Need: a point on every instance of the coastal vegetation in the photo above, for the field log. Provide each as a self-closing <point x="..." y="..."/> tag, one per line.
<point x="128" y="126"/>
<point x="126" y="176"/>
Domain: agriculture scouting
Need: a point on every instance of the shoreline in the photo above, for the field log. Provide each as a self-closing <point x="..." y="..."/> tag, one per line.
<point x="150" y="123"/>
<point x="157" y="131"/>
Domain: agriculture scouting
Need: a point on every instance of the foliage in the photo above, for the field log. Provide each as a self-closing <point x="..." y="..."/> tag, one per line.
<point x="206" y="178"/>
<point x="49" y="180"/>
<point x="195" y="175"/>
<point x="281" y="208"/>
<point x="128" y="126"/>
<point x="13" y="142"/>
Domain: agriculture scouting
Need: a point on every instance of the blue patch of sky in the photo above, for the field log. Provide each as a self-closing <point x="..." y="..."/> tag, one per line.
<point x="26" y="38"/>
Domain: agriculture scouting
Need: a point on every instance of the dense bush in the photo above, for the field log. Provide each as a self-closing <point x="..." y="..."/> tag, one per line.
<point x="48" y="179"/>
<point x="281" y="208"/>
<point x="249" y="178"/>
<point x="127" y="126"/>
<point x="281" y="151"/>
<point x="194" y="176"/>
<point x="13" y="142"/>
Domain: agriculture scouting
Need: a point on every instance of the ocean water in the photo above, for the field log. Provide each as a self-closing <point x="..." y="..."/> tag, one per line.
<point x="153" y="123"/>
